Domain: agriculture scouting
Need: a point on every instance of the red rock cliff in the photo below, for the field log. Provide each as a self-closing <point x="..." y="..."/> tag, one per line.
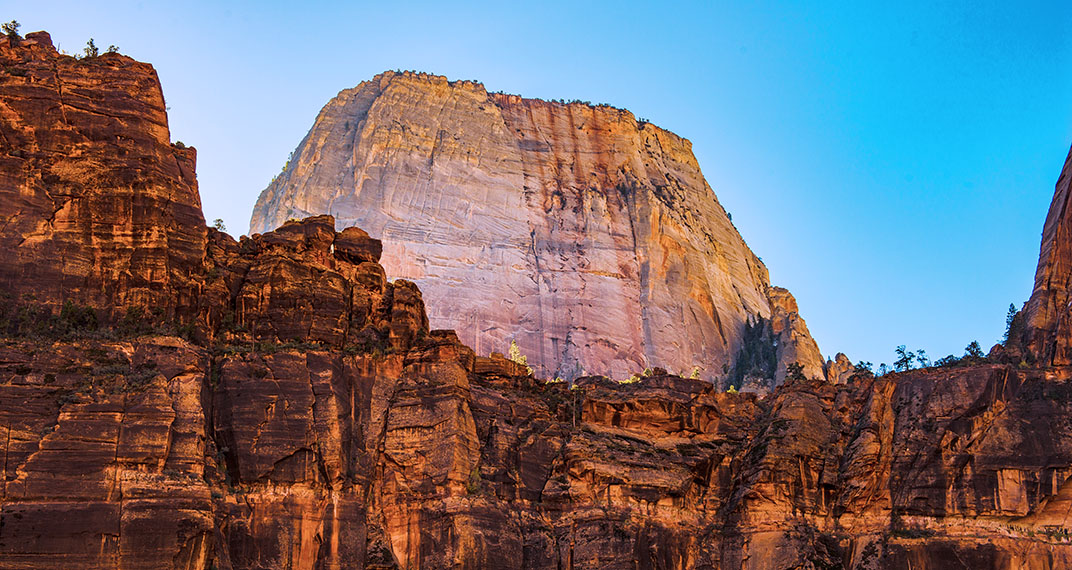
<point x="590" y="238"/>
<point x="1044" y="329"/>
<point x="308" y="419"/>
<point x="96" y="204"/>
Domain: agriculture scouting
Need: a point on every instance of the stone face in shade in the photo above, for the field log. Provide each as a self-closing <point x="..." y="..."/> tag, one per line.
<point x="590" y="238"/>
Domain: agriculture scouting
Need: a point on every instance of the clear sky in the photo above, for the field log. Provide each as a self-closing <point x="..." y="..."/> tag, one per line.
<point x="891" y="163"/>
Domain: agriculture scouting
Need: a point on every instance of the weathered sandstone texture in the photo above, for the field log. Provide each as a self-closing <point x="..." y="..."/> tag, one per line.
<point x="1043" y="330"/>
<point x="96" y="204"/>
<point x="297" y="413"/>
<point x="590" y="238"/>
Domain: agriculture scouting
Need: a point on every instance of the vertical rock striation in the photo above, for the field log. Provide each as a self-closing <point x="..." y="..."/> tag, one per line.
<point x="1044" y="328"/>
<point x="96" y="204"/>
<point x="307" y="418"/>
<point x="589" y="237"/>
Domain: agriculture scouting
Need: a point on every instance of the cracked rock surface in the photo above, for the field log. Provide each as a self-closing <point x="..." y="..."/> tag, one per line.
<point x="186" y="400"/>
<point x="587" y="236"/>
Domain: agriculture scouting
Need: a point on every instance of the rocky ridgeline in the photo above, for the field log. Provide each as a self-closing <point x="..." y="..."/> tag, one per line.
<point x="585" y="235"/>
<point x="173" y="398"/>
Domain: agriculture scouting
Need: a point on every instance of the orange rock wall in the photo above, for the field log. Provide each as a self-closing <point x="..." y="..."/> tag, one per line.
<point x="96" y="204"/>
<point x="1045" y="326"/>
<point x="298" y="413"/>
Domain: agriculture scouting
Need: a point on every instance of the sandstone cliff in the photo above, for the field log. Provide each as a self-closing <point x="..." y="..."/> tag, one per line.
<point x="96" y="204"/>
<point x="590" y="238"/>
<point x="304" y="417"/>
<point x="1043" y="330"/>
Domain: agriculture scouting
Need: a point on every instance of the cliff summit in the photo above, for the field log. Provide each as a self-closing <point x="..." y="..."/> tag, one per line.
<point x="588" y="237"/>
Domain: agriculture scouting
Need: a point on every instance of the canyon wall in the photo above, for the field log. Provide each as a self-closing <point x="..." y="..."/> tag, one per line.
<point x="298" y="413"/>
<point x="589" y="237"/>
<point x="1043" y="330"/>
<point x="96" y="204"/>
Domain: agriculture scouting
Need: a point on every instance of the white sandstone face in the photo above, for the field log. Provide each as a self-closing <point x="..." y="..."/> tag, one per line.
<point x="589" y="238"/>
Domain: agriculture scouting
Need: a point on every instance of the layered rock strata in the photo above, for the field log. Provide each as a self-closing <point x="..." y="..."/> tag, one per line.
<point x="589" y="237"/>
<point x="96" y="204"/>
<point x="153" y="452"/>
<point x="306" y="418"/>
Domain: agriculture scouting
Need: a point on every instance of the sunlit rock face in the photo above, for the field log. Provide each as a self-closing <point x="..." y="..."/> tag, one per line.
<point x="589" y="237"/>
<point x="1044" y="329"/>
<point x="308" y="419"/>
<point x="96" y="204"/>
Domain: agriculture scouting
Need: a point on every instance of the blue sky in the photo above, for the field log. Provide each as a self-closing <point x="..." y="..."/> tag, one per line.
<point x="892" y="164"/>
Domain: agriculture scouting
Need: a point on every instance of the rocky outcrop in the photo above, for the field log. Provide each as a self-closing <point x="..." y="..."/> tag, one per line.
<point x="96" y="204"/>
<point x="794" y="342"/>
<point x="840" y="369"/>
<point x="589" y="237"/>
<point x="300" y="415"/>
<point x="1043" y="330"/>
<point x="306" y="283"/>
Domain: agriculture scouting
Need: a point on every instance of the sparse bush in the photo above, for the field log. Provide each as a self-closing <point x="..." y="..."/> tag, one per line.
<point x="369" y="343"/>
<point x="905" y="358"/>
<point x="794" y="372"/>
<point x="973" y="354"/>
<point x="863" y="368"/>
<point x="219" y="225"/>
<point x="135" y="322"/>
<point x="947" y="361"/>
<point x="1010" y="316"/>
<point x="112" y="49"/>
<point x="515" y="355"/>
<point x="475" y="483"/>
<point x="921" y="358"/>
<point x="34" y="319"/>
<point x="91" y="49"/>
<point x="11" y="30"/>
<point x="76" y="318"/>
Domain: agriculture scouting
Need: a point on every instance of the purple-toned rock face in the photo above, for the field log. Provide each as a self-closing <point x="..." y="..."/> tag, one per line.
<point x="588" y="237"/>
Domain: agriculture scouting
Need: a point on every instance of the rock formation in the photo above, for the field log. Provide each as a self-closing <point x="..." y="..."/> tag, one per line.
<point x="297" y="413"/>
<point x="589" y="237"/>
<point x="1043" y="330"/>
<point x="96" y="204"/>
